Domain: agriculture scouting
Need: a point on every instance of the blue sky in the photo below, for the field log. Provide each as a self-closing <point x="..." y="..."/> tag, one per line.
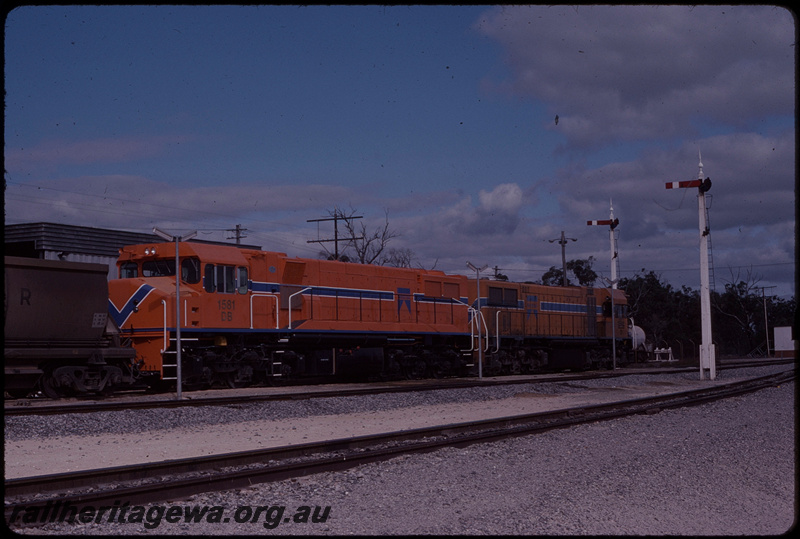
<point x="441" y="117"/>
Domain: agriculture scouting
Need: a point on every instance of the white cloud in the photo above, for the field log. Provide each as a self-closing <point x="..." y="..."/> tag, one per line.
<point x="633" y="72"/>
<point x="506" y="197"/>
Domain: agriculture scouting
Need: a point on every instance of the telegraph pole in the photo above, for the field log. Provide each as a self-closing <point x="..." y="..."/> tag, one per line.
<point x="707" y="352"/>
<point x="563" y="243"/>
<point x="337" y="216"/>
<point x="766" y="323"/>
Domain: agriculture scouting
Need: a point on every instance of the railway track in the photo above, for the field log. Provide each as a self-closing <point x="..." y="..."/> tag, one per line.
<point x="234" y="397"/>
<point x="21" y="407"/>
<point x="142" y="484"/>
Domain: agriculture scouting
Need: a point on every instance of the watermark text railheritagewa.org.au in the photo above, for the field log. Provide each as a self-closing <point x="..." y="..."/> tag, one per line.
<point x="152" y="516"/>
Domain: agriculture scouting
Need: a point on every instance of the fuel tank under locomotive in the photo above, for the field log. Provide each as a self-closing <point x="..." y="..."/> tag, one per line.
<point x="58" y="336"/>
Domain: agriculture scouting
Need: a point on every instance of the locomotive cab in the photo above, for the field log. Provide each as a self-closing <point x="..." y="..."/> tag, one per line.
<point x="214" y="290"/>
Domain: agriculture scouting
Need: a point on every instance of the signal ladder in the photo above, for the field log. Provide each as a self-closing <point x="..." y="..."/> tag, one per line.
<point x="615" y="261"/>
<point x="711" y="282"/>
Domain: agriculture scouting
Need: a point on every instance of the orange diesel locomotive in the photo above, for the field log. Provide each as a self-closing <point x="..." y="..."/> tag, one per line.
<point x="249" y="315"/>
<point x="533" y="326"/>
<point x="255" y="316"/>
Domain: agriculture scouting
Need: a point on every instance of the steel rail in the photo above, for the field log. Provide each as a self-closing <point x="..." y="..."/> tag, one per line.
<point x="184" y="477"/>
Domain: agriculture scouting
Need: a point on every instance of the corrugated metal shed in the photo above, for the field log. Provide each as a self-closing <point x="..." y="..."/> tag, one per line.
<point x="70" y="239"/>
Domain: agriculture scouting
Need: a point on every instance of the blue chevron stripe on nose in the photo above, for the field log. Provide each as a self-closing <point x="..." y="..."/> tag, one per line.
<point x="120" y="316"/>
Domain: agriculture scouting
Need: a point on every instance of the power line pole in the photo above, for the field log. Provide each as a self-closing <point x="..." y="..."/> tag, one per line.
<point x="237" y="234"/>
<point x="337" y="216"/>
<point x="563" y="243"/>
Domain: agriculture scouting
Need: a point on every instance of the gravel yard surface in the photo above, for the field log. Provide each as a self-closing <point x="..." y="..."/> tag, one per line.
<point x="725" y="468"/>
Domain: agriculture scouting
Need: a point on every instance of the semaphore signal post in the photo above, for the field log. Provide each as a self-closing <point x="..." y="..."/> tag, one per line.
<point x="612" y="224"/>
<point x="707" y="352"/>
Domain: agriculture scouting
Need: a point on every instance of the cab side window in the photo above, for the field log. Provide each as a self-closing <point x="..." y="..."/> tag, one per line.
<point x="225" y="279"/>
<point x="241" y="280"/>
<point x="190" y="270"/>
<point x="128" y="270"/>
<point x="209" y="283"/>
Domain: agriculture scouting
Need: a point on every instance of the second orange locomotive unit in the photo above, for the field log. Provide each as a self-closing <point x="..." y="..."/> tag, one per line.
<point x="257" y="316"/>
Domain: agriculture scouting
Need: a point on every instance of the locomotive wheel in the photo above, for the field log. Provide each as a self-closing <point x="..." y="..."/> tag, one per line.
<point x="438" y="369"/>
<point x="241" y="378"/>
<point x="284" y="378"/>
<point x="195" y="385"/>
<point x="417" y="368"/>
<point x="443" y="366"/>
<point x="232" y="382"/>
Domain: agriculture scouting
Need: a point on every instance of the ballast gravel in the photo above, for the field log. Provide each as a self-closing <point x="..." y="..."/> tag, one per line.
<point x="724" y="468"/>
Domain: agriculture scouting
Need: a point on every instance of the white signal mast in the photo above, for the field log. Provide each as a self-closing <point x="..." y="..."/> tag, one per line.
<point x="612" y="223"/>
<point x="707" y="352"/>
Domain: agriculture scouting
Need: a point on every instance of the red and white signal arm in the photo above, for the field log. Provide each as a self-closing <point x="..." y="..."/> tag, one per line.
<point x="680" y="185"/>
<point x="704" y="185"/>
<point x="609" y="222"/>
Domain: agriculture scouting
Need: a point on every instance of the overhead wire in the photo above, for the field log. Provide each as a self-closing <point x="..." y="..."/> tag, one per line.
<point x="271" y="236"/>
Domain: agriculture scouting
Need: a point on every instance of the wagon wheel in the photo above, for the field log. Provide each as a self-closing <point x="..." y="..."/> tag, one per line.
<point x="50" y="389"/>
<point x="18" y="393"/>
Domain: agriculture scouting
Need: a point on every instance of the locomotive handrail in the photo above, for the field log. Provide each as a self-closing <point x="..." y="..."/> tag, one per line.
<point x="277" y="308"/>
<point x="166" y="339"/>
<point x="472" y="322"/>
<point x="471" y="330"/>
<point x="486" y="328"/>
<point x="306" y="289"/>
<point x="497" y="330"/>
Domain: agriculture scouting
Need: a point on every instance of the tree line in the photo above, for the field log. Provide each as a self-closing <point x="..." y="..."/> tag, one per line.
<point x="670" y="316"/>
